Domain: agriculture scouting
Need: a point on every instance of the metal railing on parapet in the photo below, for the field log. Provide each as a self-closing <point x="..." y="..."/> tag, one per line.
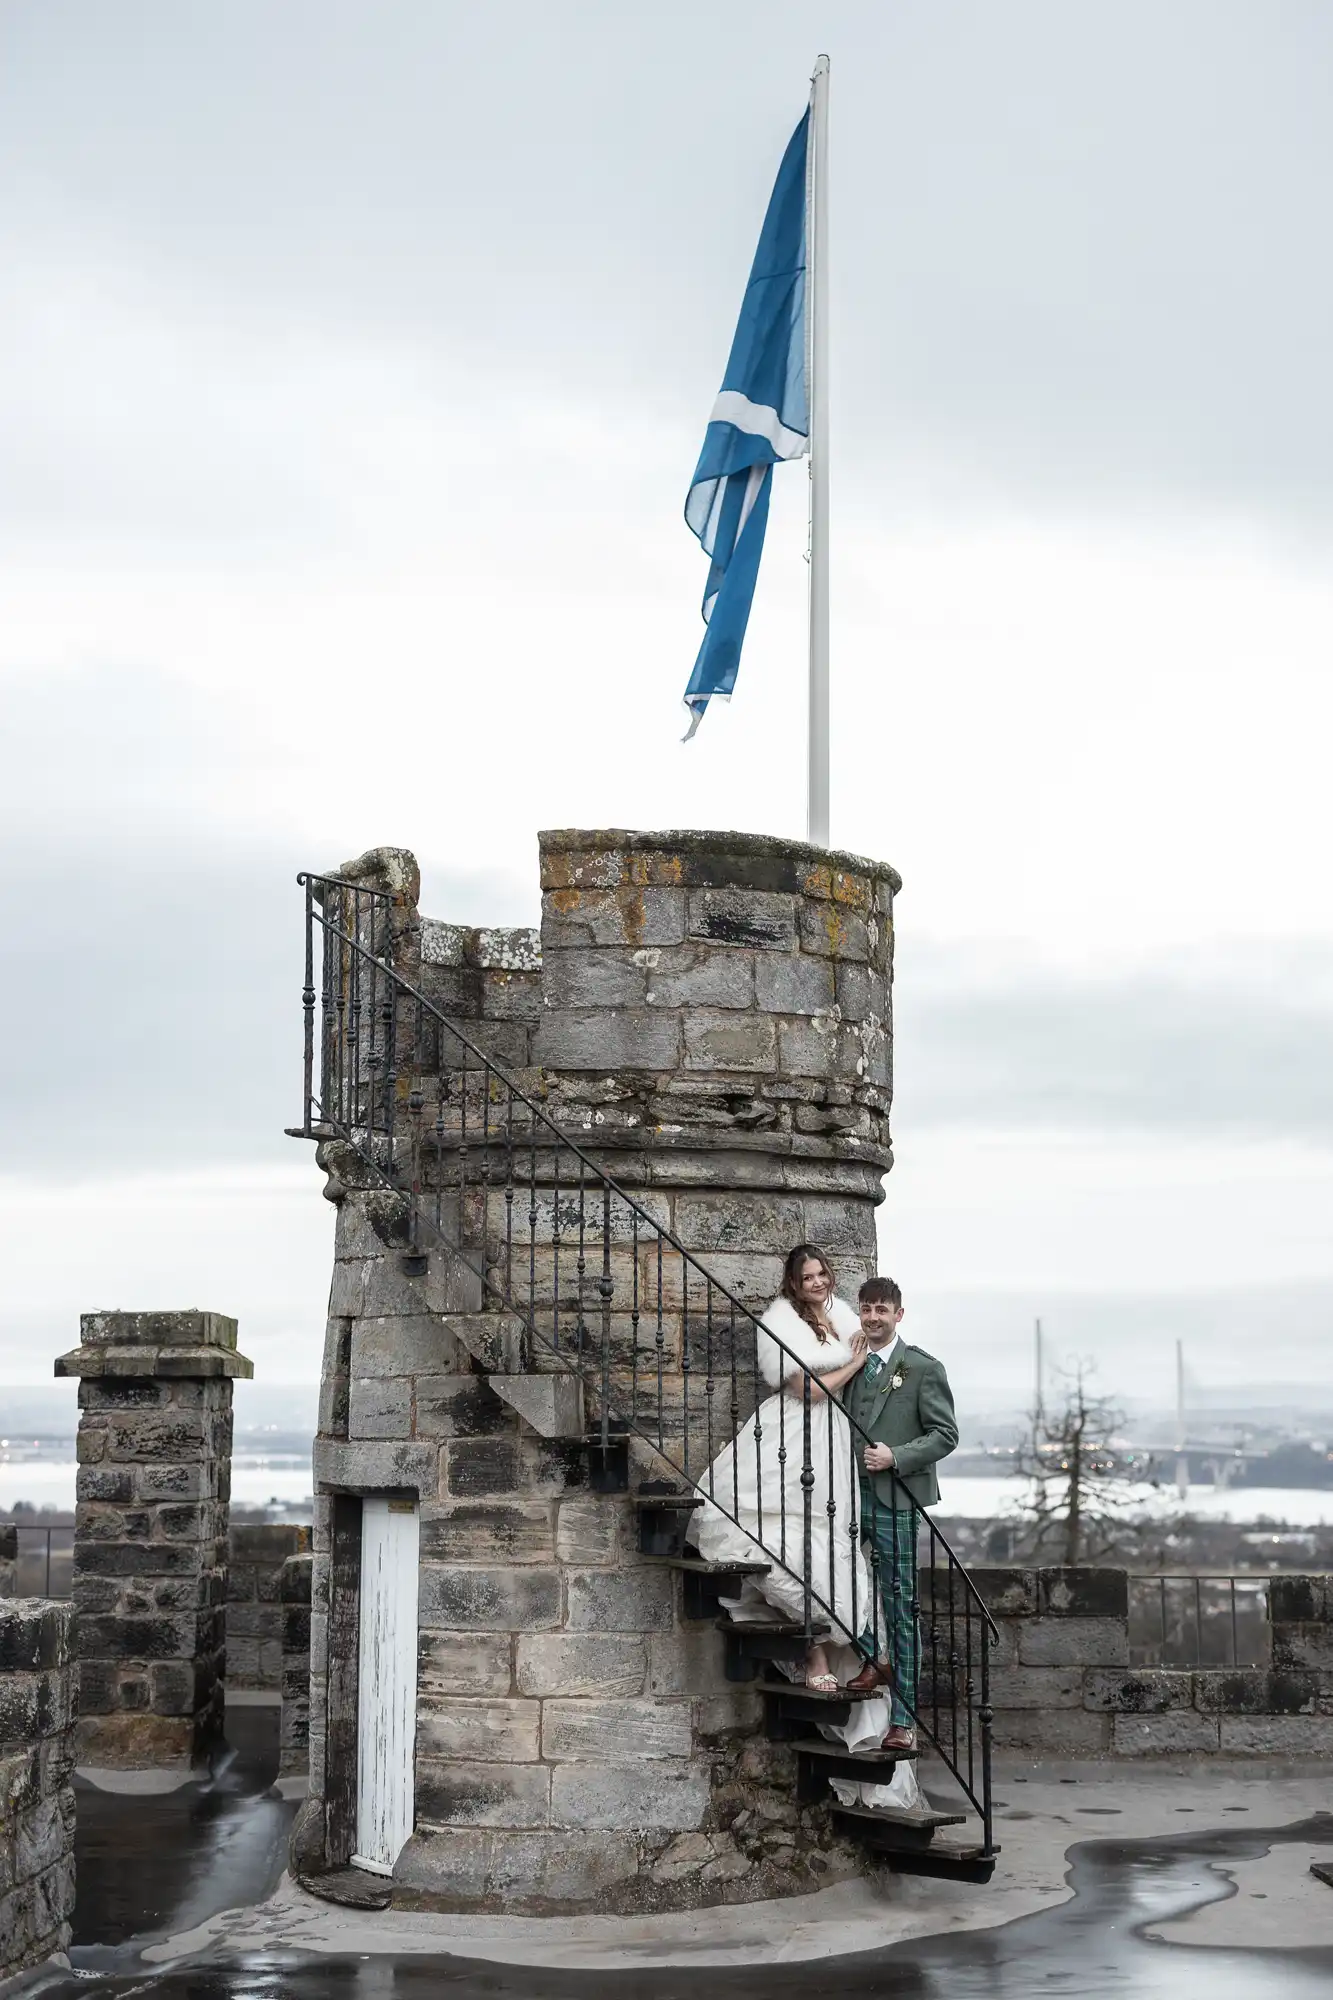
<point x="1178" y="1620"/>
<point x="45" y="1564"/>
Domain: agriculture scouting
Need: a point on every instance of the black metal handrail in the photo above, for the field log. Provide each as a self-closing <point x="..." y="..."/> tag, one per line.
<point x="384" y="1049"/>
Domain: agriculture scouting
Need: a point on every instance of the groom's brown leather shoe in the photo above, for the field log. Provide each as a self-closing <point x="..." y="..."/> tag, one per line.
<point x="870" y="1677"/>
<point x="899" y="1738"/>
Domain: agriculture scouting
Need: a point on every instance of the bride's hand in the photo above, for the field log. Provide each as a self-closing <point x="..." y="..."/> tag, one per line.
<point x="860" y="1349"/>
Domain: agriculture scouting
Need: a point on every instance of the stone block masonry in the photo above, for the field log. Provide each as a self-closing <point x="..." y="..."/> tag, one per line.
<point x="38" y="1700"/>
<point x="294" y="1593"/>
<point x="150" y="1532"/>
<point x="256" y="1554"/>
<point x="1062" y="1685"/>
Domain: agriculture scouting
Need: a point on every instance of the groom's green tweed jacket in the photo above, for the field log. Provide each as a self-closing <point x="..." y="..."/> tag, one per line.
<point x="917" y="1420"/>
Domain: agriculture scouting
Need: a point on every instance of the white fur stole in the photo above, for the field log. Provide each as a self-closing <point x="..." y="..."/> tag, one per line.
<point x="798" y="1338"/>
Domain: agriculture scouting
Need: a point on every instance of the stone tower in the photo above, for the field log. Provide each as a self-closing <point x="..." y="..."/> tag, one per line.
<point x="150" y="1536"/>
<point x="708" y="1016"/>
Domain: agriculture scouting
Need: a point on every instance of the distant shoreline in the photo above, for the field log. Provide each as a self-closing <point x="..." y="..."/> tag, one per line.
<point x="285" y="1477"/>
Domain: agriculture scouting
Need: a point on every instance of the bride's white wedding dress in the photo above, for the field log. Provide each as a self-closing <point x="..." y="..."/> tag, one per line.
<point x="757" y="1480"/>
<point x="763" y="1492"/>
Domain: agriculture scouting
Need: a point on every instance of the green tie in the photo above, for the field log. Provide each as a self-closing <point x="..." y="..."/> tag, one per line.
<point x="873" y="1366"/>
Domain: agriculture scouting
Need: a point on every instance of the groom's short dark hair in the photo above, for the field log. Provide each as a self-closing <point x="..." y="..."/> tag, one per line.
<point x="880" y="1292"/>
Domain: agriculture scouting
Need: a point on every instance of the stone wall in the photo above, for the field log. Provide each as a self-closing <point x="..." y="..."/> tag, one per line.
<point x="38" y="1702"/>
<point x="1062" y="1685"/>
<point x="256" y="1553"/>
<point x="294" y="1584"/>
<point x="150" y="1533"/>
<point x="709" y="1016"/>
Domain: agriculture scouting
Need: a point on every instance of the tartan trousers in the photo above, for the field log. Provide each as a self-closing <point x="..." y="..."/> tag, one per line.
<point x="890" y="1534"/>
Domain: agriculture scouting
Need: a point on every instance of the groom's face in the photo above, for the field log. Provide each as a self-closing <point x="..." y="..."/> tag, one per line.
<point x="879" y="1320"/>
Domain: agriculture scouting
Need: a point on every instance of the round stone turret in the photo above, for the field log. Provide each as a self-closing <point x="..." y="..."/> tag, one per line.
<point x="707" y="1016"/>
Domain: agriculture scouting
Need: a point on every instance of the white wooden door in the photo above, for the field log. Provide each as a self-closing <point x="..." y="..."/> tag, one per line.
<point x="387" y="1682"/>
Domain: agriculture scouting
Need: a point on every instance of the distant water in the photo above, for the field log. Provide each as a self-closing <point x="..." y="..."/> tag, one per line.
<point x="1299" y="1506"/>
<point x="255" y="1480"/>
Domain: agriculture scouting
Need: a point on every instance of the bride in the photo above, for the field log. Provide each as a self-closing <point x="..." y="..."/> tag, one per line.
<point x="757" y="1479"/>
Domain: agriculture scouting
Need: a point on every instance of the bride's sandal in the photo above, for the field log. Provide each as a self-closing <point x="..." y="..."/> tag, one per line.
<point x="822" y="1683"/>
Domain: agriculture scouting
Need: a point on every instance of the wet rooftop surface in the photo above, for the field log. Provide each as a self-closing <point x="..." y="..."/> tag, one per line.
<point x="153" y="1867"/>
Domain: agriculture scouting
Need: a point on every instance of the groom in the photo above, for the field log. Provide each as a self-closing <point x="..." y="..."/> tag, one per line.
<point x="902" y="1401"/>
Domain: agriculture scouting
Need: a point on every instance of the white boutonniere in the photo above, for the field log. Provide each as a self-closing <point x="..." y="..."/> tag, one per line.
<point x="897" y="1381"/>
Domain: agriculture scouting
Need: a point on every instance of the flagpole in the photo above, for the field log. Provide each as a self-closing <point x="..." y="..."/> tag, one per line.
<point x="817" y="791"/>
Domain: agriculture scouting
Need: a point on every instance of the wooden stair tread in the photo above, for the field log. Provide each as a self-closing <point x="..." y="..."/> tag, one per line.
<point x="872" y="1756"/>
<point x="696" y="1566"/>
<point x="762" y="1628"/>
<point x="817" y="1694"/>
<point x="892" y="1816"/>
<point x="683" y="1502"/>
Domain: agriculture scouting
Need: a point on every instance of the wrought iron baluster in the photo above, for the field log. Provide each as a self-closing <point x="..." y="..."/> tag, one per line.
<point x="659" y="1342"/>
<point x="969" y="1687"/>
<point x="735" y="1414"/>
<point x="1198" y="1659"/>
<point x="555" y="1245"/>
<point x="441" y="1129"/>
<point x="953" y="1666"/>
<point x="759" y="1401"/>
<point x="484" y="1174"/>
<point x="782" y="1457"/>
<point x="935" y="1637"/>
<point x="878" y="1635"/>
<point x="581" y="1265"/>
<point x="987" y="1717"/>
<point x="831" y="1510"/>
<point x="308" y="1006"/>
<point x="634" y="1315"/>
<point x="357" y="1042"/>
<point x="534" y="1216"/>
<point x="343" y="1010"/>
<point x="509" y="1200"/>
<point x="853" y="1527"/>
<point x="369" y="1054"/>
<point x="416" y="1105"/>
<point x="686" y="1361"/>
<point x="462" y="1148"/>
<point x="895" y="1617"/>
<point x="389" y="1015"/>
<point x="709" y="1384"/>
<point x="328" y="1046"/>
<point x="1235" y="1642"/>
<point x="606" y="1289"/>
<point x="807" y="1500"/>
<point x="914" y="1607"/>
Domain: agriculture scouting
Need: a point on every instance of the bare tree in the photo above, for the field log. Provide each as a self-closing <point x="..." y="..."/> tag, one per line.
<point x="1077" y="1489"/>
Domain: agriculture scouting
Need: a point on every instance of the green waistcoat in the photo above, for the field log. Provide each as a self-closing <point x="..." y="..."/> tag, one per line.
<point x="916" y="1419"/>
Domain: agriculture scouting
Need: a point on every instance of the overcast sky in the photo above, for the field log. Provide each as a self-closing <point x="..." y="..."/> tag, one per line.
<point x="354" y="360"/>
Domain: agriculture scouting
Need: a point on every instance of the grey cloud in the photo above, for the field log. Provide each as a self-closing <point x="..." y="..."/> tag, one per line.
<point x="151" y="1010"/>
<point x="1245" y="1048"/>
<point x="1127" y="1334"/>
<point x="1073" y="247"/>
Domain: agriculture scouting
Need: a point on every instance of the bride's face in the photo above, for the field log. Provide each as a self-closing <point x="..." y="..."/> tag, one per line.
<point x="814" y="1282"/>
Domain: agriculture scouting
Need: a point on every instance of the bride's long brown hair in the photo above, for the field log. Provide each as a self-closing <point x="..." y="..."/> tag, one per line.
<point x="797" y="1259"/>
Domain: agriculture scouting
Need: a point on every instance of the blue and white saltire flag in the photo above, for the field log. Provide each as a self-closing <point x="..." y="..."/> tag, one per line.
<point x="760" y="417"/>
